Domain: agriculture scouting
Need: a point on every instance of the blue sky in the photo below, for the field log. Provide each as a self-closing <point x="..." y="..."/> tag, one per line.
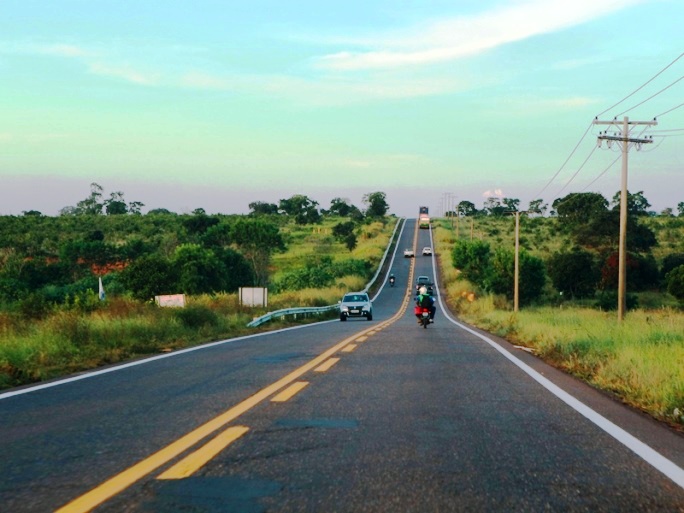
<point x="217" y="104"/>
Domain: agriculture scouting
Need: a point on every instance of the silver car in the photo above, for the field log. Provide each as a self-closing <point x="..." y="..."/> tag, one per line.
<point x="356" y="304"/>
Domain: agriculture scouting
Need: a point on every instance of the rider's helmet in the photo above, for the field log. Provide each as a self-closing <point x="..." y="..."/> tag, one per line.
<point x="423" y="290"/>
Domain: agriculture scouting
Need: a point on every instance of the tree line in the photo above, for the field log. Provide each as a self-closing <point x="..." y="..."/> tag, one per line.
<point x="588" y="268"/>
<point x="48" y="260"/>
<point x="637" y="205"/>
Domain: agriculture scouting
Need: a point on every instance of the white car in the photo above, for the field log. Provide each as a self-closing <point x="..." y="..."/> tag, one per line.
<point x="356" y="304"/>
<point x="408" y="253"/>
<point x="427" y="251"/>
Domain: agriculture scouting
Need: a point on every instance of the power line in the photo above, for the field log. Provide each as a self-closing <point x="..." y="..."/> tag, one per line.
<point x="602" y="173"/>
<point x="651" y="97"/>
<point x="667" y="111"/>
<point x="642" y="86"/>
<point x="566" y="161"/>
<point x="667" y="130"/>
<point x="578" y="170"/>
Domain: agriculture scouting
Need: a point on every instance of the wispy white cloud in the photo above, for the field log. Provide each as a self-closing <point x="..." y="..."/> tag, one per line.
<point x="97" y="61"/>
<point x="124" y="72"/>
<point x="327" y="89"/>
<point x="64" y="50"/>
<point x="469" y="35"/>
<point x="546" y="105"/>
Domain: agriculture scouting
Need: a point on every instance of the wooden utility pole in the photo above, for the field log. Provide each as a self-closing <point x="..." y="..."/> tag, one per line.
<point x="623" y="138"/>
<point x="516" y="279"/>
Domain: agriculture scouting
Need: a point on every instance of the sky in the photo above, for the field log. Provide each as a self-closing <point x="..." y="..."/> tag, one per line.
<point x="216" y="104"/>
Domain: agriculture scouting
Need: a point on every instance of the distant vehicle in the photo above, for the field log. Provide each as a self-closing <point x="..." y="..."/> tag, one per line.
<point x="356" y="304"/>
<point x="423" y="281"/>
<point x="423" y="210"/>
<point x="427" y="251"/>
<point x="424" y="222"/>
<point x="409" y="253"/>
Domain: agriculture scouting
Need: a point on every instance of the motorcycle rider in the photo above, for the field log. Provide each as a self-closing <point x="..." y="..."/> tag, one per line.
<point x="425" y="300"/>
<point x="391" y="279"/>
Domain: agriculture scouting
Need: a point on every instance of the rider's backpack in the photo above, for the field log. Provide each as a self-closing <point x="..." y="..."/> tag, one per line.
<point x="425" y="301"/>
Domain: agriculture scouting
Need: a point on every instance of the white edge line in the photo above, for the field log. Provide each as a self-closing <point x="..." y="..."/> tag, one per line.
<point x="142" y="361"/>
<point x="651" y="456"/>
<point x="391" y="264"/>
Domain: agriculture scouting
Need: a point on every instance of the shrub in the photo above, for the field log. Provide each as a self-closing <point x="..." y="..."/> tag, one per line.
<point x="501" y="275"/>
<point x="574" y="273"/>
<point x="472" y="259"/>
<point x="671" y="262"/>
<point x="607" y="300"/>
<point x="149" y="276"/>
<point x="196" y="316"/>
<point x="642" y="272"/>
<point x="675" y="282"/>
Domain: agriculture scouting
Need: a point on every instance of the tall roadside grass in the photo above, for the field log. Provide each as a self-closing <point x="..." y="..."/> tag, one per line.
<point x="640" y="361"/>
<point x="92" y="334"/>
<point x="72" y="341"/>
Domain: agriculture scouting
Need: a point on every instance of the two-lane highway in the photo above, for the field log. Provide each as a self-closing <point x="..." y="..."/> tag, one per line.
<point x="355" y="416"/>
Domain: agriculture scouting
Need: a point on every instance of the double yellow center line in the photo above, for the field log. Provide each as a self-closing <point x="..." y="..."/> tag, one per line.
<point x="122" y="481"/>
<point x="197" y="459"/>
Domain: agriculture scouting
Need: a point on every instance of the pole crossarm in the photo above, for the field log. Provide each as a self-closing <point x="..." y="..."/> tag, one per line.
<point x="628" y="139"/>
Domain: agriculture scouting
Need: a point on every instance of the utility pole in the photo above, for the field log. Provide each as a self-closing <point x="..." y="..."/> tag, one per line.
<point x="623" y="138"/>
<point x="516" y="279"/>
<point x="452" y="197"/>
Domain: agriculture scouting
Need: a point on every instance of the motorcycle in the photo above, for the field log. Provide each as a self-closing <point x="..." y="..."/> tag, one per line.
<point x="423" y="315"/>
<point x="391" y="281"/>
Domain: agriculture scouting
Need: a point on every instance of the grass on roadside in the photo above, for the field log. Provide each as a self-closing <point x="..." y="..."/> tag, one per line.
<point x="78" y="339"/>
<point x="640" y="360"/>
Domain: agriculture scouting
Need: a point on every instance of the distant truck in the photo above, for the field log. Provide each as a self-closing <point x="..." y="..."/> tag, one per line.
<point x="423" y="210"/>
<point x="424" y="222"/>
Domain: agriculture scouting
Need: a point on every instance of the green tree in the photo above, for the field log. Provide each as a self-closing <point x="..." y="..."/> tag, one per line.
<point x="199" y="270"/>
<point x="134" y="207"/>
<point x="466" y="208"/>
<point x="342" y="230"/>
<point x="675" y="282"/>
<point x="537" y="207"/>
<point x="680" y="208"/>
<point x="671" y="262"/>
<point x="238" y="272"/>
<point x="160" y="212"/>
<point x="637" y="204"/>
<point x="257" y="239"/>
<point x="579" y="207"/>
<point x="574" y="273"/>
<point x="89" y="206"/>
<point x="472" y="259"/>
<point x="150" y="276"/>
<point x="199" y="222"/>
<point x="376" y="204"/>
<point x="303" y="209"/>
<point x="340" y="207"/>
<point x="260" y="208"/>
<point x="115" y="205"/>
<point x="494" y="207"/>
<point x="511" y="204"/>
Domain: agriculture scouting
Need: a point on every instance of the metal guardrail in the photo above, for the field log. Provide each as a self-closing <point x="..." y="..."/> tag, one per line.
<point x="313" y="310"/>
<point x="316" y="310"/>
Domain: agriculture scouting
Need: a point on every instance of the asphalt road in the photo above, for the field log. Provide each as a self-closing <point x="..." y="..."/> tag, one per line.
<point x="390" y="417"/>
